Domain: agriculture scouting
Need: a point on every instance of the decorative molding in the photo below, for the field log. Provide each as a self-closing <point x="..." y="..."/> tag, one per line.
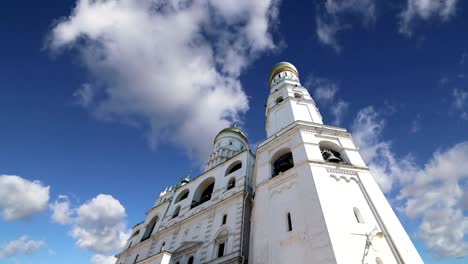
<point x="324" y="131"/>
<point x="340" y="171"/>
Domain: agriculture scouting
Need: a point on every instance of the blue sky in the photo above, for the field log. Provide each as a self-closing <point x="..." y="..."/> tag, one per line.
<point x="104" y="103"/>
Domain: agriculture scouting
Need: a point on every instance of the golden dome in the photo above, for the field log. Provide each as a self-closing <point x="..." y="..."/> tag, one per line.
<point x="234" y="130"/>
<point x="283" y="66"/>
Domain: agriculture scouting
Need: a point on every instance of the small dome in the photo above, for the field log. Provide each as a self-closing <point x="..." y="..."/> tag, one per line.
<point x="233" y="130"/>
<point x="283" y="66"/>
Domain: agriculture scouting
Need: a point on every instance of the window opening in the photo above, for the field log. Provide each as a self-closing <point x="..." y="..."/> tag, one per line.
<point x="129" y="245"/>
<point x="136" y="258"/>
<point x="205" y="196"/>
<point x="176" y="212"/>
<point x="289" y="223"/>
<point x="279" y="99"/>
<point x="231" y="184"/>
<point x="283" y="164"/>
<point x="162" y="246"/>
<point x="297" y="95"/>
<point x="224" y="219"/>
<point x="235" y="168"/>
<point x="190" y="260"/>
<point x="149" y="228"/>
<point x="221" y="250"/>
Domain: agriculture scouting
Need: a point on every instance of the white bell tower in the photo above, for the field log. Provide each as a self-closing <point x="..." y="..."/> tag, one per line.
<point x="315" y="200"/>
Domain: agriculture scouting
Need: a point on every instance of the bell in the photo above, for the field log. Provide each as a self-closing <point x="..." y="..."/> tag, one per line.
<point x="329" y="156"/>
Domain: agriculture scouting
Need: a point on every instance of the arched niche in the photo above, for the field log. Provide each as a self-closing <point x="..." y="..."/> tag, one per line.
<point x="331" y="152"/>
<point x="203" y="192"/>
<point x="150" y="227"/>
<point x="182" y="195"/>
<point x="236" y="165"/>
<point x="281" y="161"/>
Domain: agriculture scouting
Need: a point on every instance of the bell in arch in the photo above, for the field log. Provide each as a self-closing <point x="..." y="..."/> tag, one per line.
<point x="329" y="156"/>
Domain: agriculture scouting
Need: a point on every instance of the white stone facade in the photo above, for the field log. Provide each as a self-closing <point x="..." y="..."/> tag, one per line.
<point x="291" y="203"/>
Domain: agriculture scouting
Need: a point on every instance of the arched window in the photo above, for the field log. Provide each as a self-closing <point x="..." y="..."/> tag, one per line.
<point x="231" y="183"/>
<point x="358" y="215"/>
<point x="190" y="260"/>
<point x="203" y="193"/>
<point x="298" y="95"/>
<point x="176" y="212"/>
<point x="282" y="161"/>
<point x="221" y="242"/>
<point x="279" y="100"/>
<point x="224" y="219"/>
<point x="149" y="228"/>
<point x="332" y="153"/>
<point x="234" y="167"/>
<point x="182" y="195"/>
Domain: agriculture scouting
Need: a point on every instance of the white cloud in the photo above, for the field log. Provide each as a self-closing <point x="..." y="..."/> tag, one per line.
<point x="101" y="259"/>
<point x="331" y="18"/>
<point x="100" y="225"/>
<point x="460" y="102"/>
<point x="325" y="92"/>
<point x="61" y="211"/>
<point x="425" y="10"/>
<point x="21" y="246"/>
<point x="172" y="67"/>
<point x="434" y="193"/>
<point x="339" y="109"/>
<point x="21" y="198"/>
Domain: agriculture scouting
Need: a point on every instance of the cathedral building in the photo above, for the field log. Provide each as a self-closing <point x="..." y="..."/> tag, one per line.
<point x="305" y="197"/>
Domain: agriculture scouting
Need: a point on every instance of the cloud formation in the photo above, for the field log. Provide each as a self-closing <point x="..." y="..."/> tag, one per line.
<point x="325" y="93"/>
<point x="169" y="67"/>
<point x="99" y="225"/>
<point x="21" y="198"/>
<point x="460" y="102"/>
<point x="425" y="10"/>
<point x="434" y="193"/>
<point x="332" y="16"/>
<point x="21" y="246"/>
<point x="61" y="211"/>
<point x="101" y="259"/>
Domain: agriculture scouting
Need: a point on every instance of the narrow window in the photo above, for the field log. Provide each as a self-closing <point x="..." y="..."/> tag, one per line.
<point x="176" y="212"/>
<point x="279" y="99"/>
<point x="224" y="219"/>
<point x="129" y="245"/>
<point x="221" y="250"/>
<point x="289" y="223"/>
<point x="190" y="260"/>
<point x="297" y="95"/>
<point x="136" y="258"/>
<point x="231" y="184"/>
<point x="162" y="246"/>
<point x="358" y="215"/>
